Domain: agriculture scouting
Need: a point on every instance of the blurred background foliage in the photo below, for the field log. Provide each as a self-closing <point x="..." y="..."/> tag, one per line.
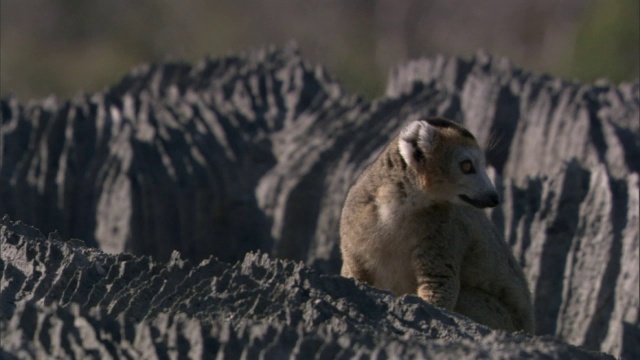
<point x="63" y="47"/>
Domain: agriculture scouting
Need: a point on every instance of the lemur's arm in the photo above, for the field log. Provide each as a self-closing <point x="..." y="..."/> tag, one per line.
<point x="437" y="273"/>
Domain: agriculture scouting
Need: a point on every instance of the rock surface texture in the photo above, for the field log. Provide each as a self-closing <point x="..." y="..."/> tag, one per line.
<point x="66" y="300"/>
<point x="256" y="153"/>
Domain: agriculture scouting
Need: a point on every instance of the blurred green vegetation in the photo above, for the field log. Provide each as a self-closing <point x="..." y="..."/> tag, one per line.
<point x="63" y="47"/>
<point x="609" y="37"/>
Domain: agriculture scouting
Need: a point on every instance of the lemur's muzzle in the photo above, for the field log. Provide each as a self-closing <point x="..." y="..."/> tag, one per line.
<point x="486" y="200"/>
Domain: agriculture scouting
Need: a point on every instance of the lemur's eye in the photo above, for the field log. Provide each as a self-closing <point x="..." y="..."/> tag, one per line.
<point x="467" y="167"/>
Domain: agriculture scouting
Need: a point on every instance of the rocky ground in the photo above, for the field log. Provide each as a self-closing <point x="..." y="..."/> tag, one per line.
<point x="256" y="152"/>
<point x="66" y="300"/>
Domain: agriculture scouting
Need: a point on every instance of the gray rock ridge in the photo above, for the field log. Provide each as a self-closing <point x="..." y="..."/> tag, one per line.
<point x="257" y="151"/>
<point x="577" y="235"/>
<point x="172" y="152"/>
<point x="67" y="300"/>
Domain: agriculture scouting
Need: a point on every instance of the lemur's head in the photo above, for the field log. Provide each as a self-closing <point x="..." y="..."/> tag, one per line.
<point x="448" y="162"/>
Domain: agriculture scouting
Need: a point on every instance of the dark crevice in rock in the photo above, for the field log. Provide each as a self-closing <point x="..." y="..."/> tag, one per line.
<point x="503" y="129"/>
<point x="549" y="287"/>
<point x="596" y="332"/>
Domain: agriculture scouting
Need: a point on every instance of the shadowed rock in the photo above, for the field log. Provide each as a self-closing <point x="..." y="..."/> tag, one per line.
<point x="85" y="303"/>
<point x="257" y="152"/>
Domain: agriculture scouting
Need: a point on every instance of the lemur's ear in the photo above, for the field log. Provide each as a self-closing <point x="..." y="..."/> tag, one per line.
<point x="415" y="139"/>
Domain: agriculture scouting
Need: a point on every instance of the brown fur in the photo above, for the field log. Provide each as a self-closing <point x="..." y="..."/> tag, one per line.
<point x="404" y="228"/>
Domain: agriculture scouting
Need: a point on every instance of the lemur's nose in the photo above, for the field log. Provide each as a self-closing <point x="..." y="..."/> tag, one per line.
<point x="494" y="200"/>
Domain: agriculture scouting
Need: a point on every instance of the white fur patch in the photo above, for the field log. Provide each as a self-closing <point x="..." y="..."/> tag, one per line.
<point x="418" y="133"/>
<point x="386" y="214"/>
